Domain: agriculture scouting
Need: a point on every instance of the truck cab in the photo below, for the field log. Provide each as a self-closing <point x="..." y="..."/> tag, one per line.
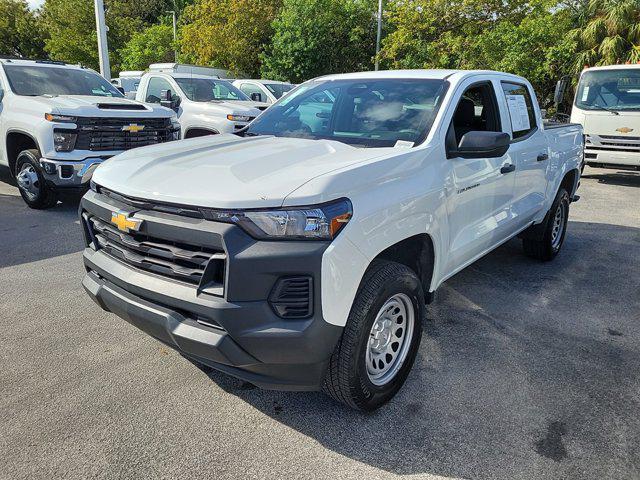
<point x="58" y="122"/>
<point x="267" y="91"/>
<point x="607" y="105"/>
<point x="205" y="105"/>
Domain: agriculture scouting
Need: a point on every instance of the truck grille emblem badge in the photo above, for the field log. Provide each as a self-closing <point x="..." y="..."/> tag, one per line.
<point x="125" y="223"/>
<point x="133" y="128"/>
<point x="624" y="130"/>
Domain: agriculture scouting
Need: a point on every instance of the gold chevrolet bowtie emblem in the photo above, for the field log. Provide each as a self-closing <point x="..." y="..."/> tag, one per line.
<point x="624" y="130"/>
<point x="125" y="223"/>
<point x="133" y="128"/>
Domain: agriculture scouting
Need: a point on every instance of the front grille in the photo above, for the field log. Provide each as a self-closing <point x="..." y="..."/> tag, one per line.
<point x="613" y="142"/>
<point x="292" y="297"/>
<point x="181" y="261"/>
<point x="107" y="134"/>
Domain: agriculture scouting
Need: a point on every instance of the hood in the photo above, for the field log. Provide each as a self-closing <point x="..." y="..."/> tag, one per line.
<point x="238" y="107"/>
<point x="250" y="103"/>
<point x="85" y="105"/>
<point x="225" y="171"/>
<point x="626" y="124"/>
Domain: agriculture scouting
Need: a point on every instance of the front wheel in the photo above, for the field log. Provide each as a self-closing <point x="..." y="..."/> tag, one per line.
<point x="549" y="244"/>
<point x="380" y="340"/>
<point x="31" y="183"/>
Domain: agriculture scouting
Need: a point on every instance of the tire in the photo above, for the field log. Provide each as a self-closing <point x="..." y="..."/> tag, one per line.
<point x="349" y="377"/>
<point x="549" y="243"/>
<point x="31" y="182"/>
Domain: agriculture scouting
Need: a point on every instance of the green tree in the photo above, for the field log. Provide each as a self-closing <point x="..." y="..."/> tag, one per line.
<point x="20" y="34"/>
<point x="317" y="37"/>
<point x="227" y="33"/>
<point x="153" y="44"/>
<point x="608" y="33"/>
<point x="71" y="27"/>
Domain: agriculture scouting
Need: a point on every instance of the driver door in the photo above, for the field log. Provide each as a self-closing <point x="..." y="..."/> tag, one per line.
<point x="481" y="190"/>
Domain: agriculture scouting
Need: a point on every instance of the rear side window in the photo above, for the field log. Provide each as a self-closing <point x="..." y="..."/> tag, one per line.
<point x="520" y="106"/>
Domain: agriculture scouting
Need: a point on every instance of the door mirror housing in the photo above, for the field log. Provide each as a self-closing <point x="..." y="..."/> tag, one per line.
<point x="121" y="90"/>
<point x="169" y="100"/>
<point x="481" y="144"/>
<point x="558" y="94"/>
<point x="256" y="97"/>
<point x="1" y="94"/>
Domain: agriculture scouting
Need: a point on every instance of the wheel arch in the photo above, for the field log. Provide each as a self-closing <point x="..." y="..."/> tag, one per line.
<point x="418" y="253"/>
<point x="570" y="181"/>
<point x="17" y="141"/>
<point x="194" y="132"/>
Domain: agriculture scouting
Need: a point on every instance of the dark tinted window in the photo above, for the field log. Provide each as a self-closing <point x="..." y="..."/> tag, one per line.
<point x="520" y="106"/>
<point x="372" y="113"/>
<point x="45" y="80"/>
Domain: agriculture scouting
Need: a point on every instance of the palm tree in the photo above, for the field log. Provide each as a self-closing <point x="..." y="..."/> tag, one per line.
<point x="609" y="33"/>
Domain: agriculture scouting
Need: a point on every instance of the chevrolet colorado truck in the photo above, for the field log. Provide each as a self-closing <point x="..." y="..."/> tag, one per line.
<point x="300" y="252"/>
<point x="58" y="122"/>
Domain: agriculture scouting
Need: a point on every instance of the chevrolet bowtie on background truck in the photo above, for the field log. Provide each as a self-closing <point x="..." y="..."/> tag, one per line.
<point x="300" y="253"/>
<point x="607" y="105"/>
<point x="59" y="122"/>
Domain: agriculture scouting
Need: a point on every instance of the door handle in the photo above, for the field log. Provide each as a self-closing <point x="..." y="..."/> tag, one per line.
<point x="507" y="168"/>
<point x="542" y="157"/>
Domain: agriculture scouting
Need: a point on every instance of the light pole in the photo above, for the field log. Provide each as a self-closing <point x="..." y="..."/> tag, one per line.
<point x="175" y="52"/>
<point x="379" y="33"/>
<point x="103" y="47"/>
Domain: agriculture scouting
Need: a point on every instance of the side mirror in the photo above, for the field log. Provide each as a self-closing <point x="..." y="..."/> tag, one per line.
<point x="167" y="99"/>
<point x="121" y="90"/>
<point x="481" y="144"/>
<point x="561" y="87"/>
<point x="1" y="94"/>
<point x="256" y="97"/>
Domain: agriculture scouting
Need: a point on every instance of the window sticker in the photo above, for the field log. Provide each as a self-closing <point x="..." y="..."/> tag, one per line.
<point x="518" y="113"/>
<point x="585" y="94"/>
<point x="403" y="144"/>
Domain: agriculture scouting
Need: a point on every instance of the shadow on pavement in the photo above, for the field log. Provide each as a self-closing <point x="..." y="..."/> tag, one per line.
<point x="526" y="369"/>
<point x="622" y="178"/>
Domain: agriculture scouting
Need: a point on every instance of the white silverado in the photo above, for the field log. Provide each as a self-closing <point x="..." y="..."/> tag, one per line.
<point x="58" y="122"/>
<point x="205" y="105"/>
<point x="300" y="253"/>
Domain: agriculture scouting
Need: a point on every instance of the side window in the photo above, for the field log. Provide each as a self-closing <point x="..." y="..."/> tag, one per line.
<point x="520" y="106"/>
<point x="154" y="89"/>
<point x="476" y="111"/>
<point x="248" y="89"/>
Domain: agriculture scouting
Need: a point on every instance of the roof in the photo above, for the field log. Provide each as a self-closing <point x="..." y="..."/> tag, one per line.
<point x="261" y="80"/>
<point x="39" y="63"/>
<point x="187" y="75"/>
<point x="614" y="67"/>
<point x="436" y="74"/>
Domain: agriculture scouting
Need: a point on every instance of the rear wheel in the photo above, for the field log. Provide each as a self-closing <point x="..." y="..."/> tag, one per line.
<point x="31" y="183"/>
<point x="550" y="242"/>
<point x="381" y="338"/>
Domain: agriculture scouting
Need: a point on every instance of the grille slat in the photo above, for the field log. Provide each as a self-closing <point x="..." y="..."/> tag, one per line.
<point x="173" y="259"/>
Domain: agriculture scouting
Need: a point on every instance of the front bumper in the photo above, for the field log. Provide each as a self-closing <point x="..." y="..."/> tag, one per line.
<point x="237" y="331"/>
<point x="69" y="174"/>
<point x="612" y="151"/>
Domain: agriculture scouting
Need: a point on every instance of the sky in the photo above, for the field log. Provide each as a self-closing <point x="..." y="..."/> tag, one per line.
<point x="33" y="4"/>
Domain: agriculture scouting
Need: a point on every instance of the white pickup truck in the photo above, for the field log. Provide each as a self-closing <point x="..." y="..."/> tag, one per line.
<point x="300" y="253"/>
<point x="205" y="105"/>
<point x="58" y="122"/>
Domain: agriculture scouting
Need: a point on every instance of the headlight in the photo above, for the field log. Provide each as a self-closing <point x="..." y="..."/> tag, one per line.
<point x="93" y="185"/>
<point x="175" y="126"/>
<point x="64" y="141"/>
<point x="60" y="118"/>
<point x="321" y="222"/>
<point x="239" y="118"/>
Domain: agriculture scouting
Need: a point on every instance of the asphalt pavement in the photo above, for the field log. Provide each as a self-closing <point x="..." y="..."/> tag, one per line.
<point x="526" y="370"/>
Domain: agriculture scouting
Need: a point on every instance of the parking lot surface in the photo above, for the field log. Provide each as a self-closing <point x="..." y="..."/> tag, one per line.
<point x="526" y="370"/>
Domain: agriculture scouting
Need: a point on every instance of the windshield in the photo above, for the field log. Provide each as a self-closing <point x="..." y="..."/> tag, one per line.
<point x="278" y="89"/>
<point x="371" y="113"/>
<point x="40" y="80"/>
<point x="209" y="89"/>
<point x="609" y="90"/>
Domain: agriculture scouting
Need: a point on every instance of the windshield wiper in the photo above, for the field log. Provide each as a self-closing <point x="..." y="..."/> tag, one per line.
<point x="608" y="109"/>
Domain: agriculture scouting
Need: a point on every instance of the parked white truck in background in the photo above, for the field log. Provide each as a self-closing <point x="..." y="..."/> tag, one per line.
<point x="299" y="254"/>
<point x="205" y="105"/>
<point x="607" y="105"/>
<point x="268" y="91"/>
<point x="59" y="122"/>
